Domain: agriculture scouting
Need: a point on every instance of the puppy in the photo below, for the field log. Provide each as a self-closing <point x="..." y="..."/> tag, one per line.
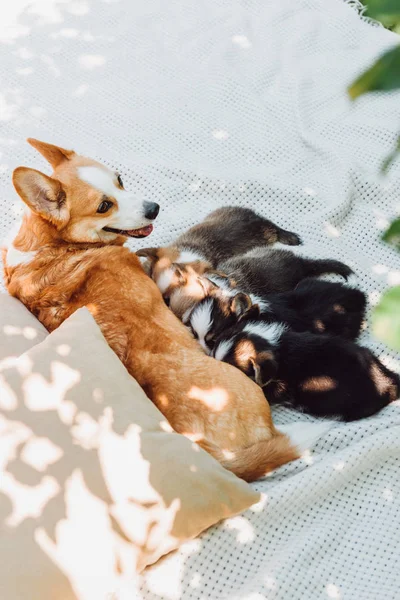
<point x="226" y="232"/>
<point x="315" y="306"/>
<point x="231" y="231"/>
<point x="264" y="271"/>
<point x="259" y="273"/>
<point x="322" y="375"/>
<point x="181" y="285"/>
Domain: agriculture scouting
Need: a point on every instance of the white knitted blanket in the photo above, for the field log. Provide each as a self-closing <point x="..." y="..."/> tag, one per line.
<point x="201" y="103"/>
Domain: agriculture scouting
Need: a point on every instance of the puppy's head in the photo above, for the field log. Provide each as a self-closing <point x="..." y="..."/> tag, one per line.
<point x="218" y="311"/>
<point x="251" y="353"/>
<point x="83" y="201"/>
<point x="182" y="285"/>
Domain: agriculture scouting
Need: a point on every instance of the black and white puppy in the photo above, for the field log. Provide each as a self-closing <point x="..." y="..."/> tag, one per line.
<point x="316" y="306"/>
<point x="322" y="375"/>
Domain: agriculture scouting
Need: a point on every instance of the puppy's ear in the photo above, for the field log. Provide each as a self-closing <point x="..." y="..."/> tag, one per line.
<point x="180" y="276"/>
<point x="150" y="253"/>
<point x="240" y="304"/>
<point x="265" y="367"/>
<point x="252" y="314"/>
<point x="44" y="195"/>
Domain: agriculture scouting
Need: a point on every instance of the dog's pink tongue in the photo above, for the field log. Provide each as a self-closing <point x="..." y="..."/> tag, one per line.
<point x="142" y="232"/>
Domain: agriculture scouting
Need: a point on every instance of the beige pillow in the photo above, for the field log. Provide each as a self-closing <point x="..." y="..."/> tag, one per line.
<point x="95" y="485"/>
<point x="19" y="330"/>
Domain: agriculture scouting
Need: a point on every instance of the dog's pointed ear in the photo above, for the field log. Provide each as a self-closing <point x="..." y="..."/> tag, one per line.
<point x="240" y="304"/>
<point x="53" y="154"/>
<point x="180" y="274"/>
<point x="252" y="314"/>
<point x="44" y="195"/>
<point x="150" y="253"/>
<point x="265" y="368"/>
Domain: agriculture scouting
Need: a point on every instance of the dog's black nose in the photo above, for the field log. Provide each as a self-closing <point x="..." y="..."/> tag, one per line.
<point x="151" y="210"/>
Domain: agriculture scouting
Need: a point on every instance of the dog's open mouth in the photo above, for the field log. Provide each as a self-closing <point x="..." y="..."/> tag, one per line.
<point x="136" y="233"/>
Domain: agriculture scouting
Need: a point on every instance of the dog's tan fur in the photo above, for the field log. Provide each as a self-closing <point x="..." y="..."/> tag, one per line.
<point x="209" y="401"/>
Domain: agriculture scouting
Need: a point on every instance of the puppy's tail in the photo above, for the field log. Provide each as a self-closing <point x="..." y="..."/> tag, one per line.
<point x="326" y="266"/>
<point x="264" y="456"/>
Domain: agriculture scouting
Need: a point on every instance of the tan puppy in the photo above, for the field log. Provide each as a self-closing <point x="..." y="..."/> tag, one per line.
<point x="68" y="253"/>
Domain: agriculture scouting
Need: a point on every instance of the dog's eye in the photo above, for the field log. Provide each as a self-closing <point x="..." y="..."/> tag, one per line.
<point x="120" y="182"/>
<point x="104" y="206"/>
<point x="210" y="340"/>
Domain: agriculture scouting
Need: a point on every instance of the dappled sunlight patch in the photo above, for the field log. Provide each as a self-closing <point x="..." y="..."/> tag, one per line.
<point x="91" y="61"/>
<point x="25" y="71"/>
<point x="87" y="432"/>
<point x="333" y="591"/>
<point x="374" y="296"/>
<point x="98" y="395"/>
<point x="319" y="383"/>
<point x="76" y="549"/>
<point x="165" y="426"/>
<point x="165" y="578"/>
<point x="195" y="581"/>
<point x="220" y="134"/>
<point x="28" y="332"/>
<point x="270" y="582"/>
<point x="27" y="501"/>
<point x="67" y="411"/>
<point x="331" y="230"/>
<point x="146" y="526"/>
<point x="40" y="452"/>
<point x="242" y="41"/>
<point x="307" y="457"/>
<point x="245" y="530"/>
<point x="379" y="269"/>
<point x="66" y="32"/>
<point x="8" y="398"/>
<point x="51" y="64"/>
<point x="10" y="104"/>
<point x="393" y="278"/>
<point x="388" y="495"/>
<point x="215" y="399"/>
<point x="260" y="505"/>
<point x="123" y="451"/>
<point x="12" y="435"/>
<point x="41" y="394"/>
<point x="339" y="466"/>
<point x="228" y="454"/>
<point x="63" y="349"/>
<point x="80" y="90"/>
<point x="162" y="399"/>
<point x="78" y="8"/>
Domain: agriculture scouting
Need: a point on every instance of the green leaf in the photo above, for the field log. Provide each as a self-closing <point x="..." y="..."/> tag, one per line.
<point x="386" y="11"/>
<point x="384" y="75"/>
<point x="391" y="157"/>
<point x="392" y="235"/>
<point x="386" y="318"/>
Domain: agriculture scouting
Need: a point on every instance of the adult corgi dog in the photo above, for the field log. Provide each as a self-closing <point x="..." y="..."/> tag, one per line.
<point x="68" y="253"/>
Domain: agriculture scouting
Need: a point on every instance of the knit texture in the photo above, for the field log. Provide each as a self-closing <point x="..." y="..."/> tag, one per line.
<point x="204" y="103"/>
